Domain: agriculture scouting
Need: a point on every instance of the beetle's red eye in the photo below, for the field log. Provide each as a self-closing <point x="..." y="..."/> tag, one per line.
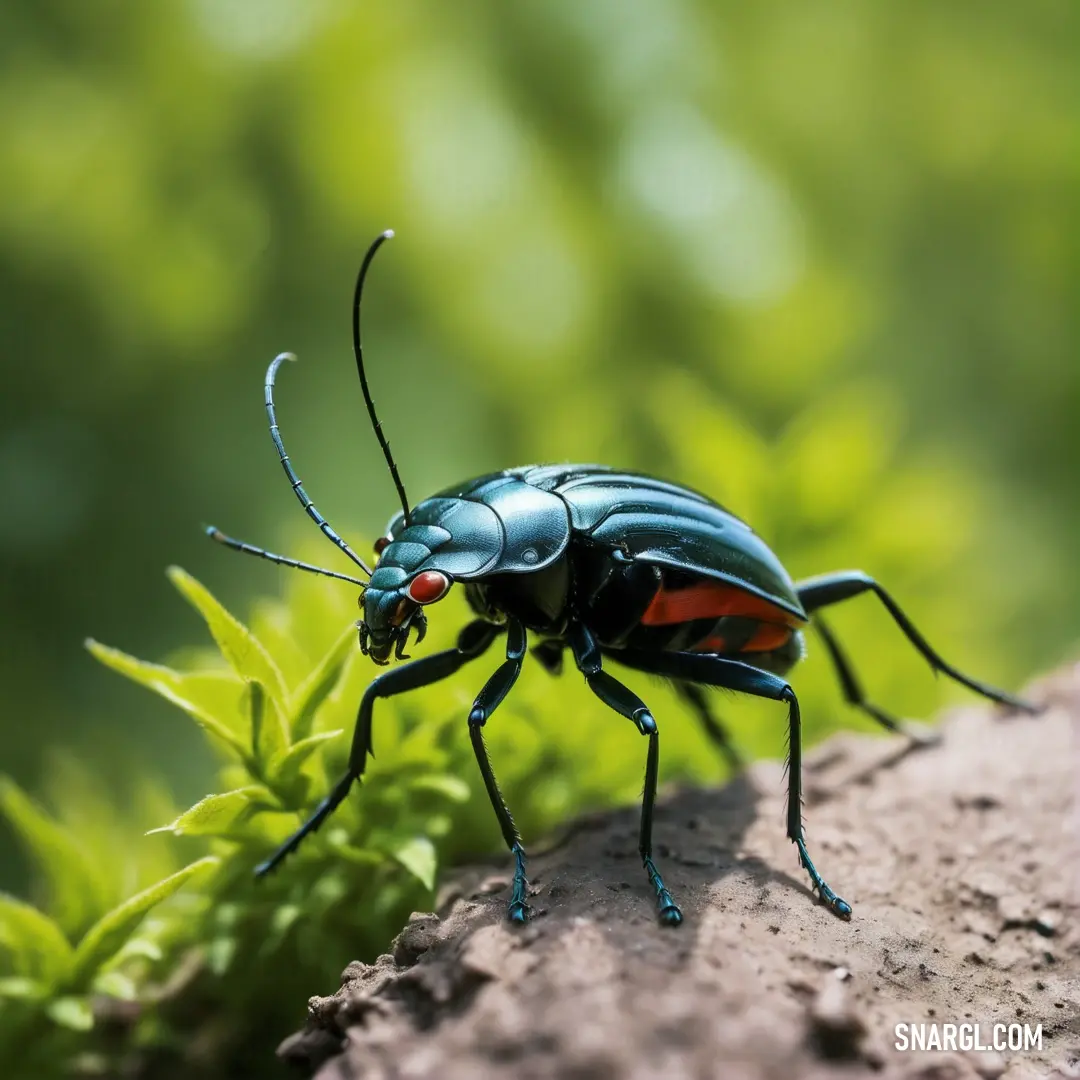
<point x="380" y="544"/>
<point x="428" y="587"/>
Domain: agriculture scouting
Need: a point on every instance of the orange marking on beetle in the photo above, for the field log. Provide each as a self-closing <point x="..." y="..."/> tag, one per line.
<point x="711" y="600"/>
<point x="766" y="638"/>
<point x="712" y="644"/>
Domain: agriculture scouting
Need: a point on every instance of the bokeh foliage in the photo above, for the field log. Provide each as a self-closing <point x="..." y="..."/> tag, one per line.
<point x="820" y="261"/>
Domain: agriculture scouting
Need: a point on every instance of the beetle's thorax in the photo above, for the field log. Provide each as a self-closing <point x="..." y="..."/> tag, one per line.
<point x="539" y="601"/>
<point x="493" y="529"/>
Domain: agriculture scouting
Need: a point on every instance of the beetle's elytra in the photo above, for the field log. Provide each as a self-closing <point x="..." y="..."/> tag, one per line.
<point x="612" y="566"/>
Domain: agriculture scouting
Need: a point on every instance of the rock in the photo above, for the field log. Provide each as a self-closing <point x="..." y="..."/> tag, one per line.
<point x="836" y="1028"/>
<point x="760" y="982"/>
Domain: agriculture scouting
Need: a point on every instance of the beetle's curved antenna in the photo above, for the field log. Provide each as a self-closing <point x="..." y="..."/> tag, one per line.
<point x="298" y="488"/>
<point x="358" y="350"/>
<point x="280" y="560"/>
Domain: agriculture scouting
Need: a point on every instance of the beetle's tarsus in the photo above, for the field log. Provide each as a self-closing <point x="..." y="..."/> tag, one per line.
<point x="836" y="904"/>
<point x="921" y="737"/>
<point x="841" y="907"/>
<point x="667" y="911"/>
<point x="519" y="910"/>
<point x="670" y="915"/>
<point x="1022" y="706"/>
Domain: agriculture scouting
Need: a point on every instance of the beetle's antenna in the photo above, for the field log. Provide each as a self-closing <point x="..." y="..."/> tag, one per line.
<point x="301" y="494"/>
<point x="280" y="560"/>
<point x="359" y="351"/>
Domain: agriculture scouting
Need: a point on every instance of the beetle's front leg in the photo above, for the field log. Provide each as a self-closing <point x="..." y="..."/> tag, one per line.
<point x="487" y="701"/>
<point x="473" y="640"/>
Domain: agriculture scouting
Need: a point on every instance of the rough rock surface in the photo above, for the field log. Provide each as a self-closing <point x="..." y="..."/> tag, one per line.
<point x="961" y="861"/>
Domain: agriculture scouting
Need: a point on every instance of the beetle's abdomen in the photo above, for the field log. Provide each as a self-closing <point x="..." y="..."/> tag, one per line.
<point x="711" y="616"/>
<point x="639" y="606"/>
<point x="740" y="622"/>
<point x="709" y="599"/>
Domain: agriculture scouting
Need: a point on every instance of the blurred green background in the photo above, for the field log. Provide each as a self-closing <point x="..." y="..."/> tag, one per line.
<point x="818" y="260"/>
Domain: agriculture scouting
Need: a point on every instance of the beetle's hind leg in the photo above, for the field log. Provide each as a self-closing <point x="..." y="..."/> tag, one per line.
<point x="854" y="694"/>
<point x="819" y="592"/>
<point x="487" y="701"/>
<point x="710" y="670"/>
<point x="620" y="698"/>
<point x="717" y="734"/>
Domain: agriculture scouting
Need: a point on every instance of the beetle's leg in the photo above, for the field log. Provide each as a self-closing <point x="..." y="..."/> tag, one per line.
<point x="487" y="701"/>
<point x="714" y="729"/>
<point x="819" y="592"/>
<point x="624" y="701"/>
<point x="853" y="691"/>
<point x="473" y="640"/>
<point x="735" y="675"/>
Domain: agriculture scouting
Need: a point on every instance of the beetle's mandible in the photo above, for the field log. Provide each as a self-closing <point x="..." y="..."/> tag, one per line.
<point x="612" y="566"/>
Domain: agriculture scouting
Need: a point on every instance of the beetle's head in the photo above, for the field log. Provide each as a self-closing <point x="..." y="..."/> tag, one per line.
<point x="394" y="602"/>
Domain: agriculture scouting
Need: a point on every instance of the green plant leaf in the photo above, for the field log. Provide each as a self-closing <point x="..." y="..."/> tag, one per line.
<point x="163" y="681"/>
<point x="71" y="1012"/>
<point x="417" y="855"/>
<point x="286" y="769"/>
<point x="37" y="946"/>
<point x="280" y="923"/>
<point x="220" y="953"/>
<point x="246" y="654"/>
<point x="452" y="787"/>
<point x="318" y="685"/>
<point x="78" y="892"/>
<point x="20" y="988"/>
<point x="116" y="984"/>
<point x="108" y="935"/>
<point x="217" y="814"/>
<point x="269" y="739"/>
<point x="140" y="947"/>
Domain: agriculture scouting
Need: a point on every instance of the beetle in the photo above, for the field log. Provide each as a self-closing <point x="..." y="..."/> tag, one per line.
<point x="610" y="565"/>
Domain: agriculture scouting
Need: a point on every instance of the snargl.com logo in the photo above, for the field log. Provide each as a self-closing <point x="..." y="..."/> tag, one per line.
<point x="999" y="1037"/>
